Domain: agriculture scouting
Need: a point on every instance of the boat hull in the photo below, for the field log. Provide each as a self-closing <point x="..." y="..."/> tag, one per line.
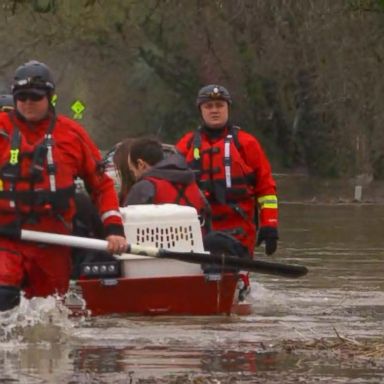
<point x="197" y="295"/>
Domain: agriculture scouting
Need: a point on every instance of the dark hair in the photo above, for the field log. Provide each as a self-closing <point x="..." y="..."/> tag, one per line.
<point x="120" y="159"/>
<point x="147" y="149"/>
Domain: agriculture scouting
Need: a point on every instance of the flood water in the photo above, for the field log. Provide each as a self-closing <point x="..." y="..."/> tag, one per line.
<point x="341" y="298"/>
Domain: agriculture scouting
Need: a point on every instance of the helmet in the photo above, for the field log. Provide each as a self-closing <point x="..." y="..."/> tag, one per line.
<point x="213" y="92"/>
<point x="6" y="102"/>
<point x="33" y="75"/>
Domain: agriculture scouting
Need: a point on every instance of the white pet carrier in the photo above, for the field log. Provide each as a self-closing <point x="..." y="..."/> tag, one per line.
<point x="167" y="226"/>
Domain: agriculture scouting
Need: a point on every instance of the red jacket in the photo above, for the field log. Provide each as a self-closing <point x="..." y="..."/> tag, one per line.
<point x="173" y="193"/>
<point x="235" y="175"/>
<point x="170" y="181"/>
<point x="73" y="154"/>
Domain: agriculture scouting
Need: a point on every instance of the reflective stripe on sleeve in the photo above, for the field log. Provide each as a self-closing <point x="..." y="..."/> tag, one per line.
<point x="107" y="214"/>
<point x="267" y="201"/>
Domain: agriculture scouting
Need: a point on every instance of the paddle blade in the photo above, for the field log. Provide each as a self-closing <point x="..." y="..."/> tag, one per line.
<point x="258" y="266"/>
<point x="278" y="269"/>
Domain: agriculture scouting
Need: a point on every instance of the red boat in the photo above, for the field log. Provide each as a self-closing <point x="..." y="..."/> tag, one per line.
<point x="142" y="285"/>
<point x="193" y="294"/>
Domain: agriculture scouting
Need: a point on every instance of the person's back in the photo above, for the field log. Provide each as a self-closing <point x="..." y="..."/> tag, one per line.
<point x="162" y="181"/>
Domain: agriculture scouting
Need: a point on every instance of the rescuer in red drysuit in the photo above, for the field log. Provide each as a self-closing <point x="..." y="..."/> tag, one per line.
<point x="234" y="173"/>
<point x="40" y="156"/>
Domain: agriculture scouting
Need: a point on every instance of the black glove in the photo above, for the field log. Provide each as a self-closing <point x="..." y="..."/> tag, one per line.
<point x="270" y="236"/>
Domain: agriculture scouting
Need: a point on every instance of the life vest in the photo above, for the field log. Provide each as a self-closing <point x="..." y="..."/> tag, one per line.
<point x="172" y="193"/>
<point x="33" y="180"/>
<point x="224" y="177"/>
<point x="230" y="184"/>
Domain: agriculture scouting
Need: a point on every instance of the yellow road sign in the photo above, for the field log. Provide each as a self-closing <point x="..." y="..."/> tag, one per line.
<point x="77" y="108"/>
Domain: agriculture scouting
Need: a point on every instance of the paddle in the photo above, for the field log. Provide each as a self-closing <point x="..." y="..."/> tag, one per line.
<point x="258" y="266"/>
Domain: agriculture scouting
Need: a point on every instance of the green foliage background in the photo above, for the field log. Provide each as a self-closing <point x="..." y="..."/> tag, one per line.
<point x="306" y="75"/>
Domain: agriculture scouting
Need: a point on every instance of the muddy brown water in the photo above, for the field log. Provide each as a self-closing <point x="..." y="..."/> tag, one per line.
<point x="287" y="338"/>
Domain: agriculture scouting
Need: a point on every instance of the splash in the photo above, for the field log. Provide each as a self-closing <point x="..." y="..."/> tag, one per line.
<point x="266" y="300"/>
<point x="38" y="320"/>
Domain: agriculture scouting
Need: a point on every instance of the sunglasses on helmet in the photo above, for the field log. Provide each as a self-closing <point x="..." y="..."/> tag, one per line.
<point x="29" y="96"/>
